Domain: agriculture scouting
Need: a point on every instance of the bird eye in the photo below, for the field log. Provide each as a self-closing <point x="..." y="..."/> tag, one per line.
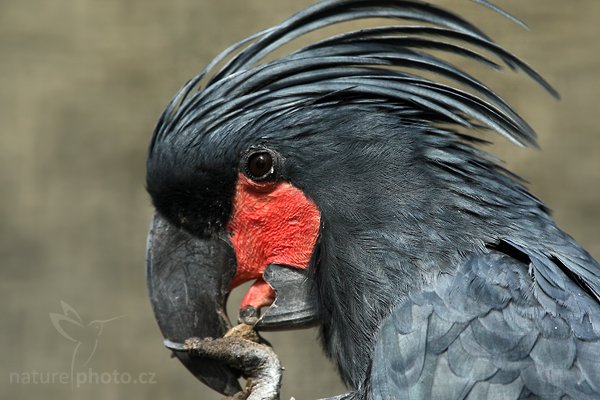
<point x="261" y="165"/>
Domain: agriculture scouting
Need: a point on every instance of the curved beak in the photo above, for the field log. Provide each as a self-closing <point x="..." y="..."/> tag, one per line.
<point x="188" y="280"/>
<point x="294" y="306"/>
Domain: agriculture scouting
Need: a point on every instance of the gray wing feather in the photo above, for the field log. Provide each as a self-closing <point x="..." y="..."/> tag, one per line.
<point x="497" y="329"/>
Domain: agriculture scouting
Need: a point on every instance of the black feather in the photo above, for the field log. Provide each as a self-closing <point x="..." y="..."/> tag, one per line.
<point x="245" y="79"/>
<point x="503" y="350"/>
<point x="369" y="123"/>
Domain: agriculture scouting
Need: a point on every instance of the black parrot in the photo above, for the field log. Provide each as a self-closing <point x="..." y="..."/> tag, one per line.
<point x="344" y="180"/>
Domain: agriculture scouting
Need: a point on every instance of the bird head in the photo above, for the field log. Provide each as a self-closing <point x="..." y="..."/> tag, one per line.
<point x="331" y="177"/>
<point x="97" y="326"/>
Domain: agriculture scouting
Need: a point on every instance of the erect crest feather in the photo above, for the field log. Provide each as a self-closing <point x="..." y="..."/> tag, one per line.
<point x="374" y="64"/>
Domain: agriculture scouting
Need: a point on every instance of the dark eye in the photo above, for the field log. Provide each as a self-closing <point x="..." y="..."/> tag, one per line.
<point x="260" y="165"/>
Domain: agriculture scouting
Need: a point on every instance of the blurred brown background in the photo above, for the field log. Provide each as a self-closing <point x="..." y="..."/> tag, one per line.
<point x="82" y="83"/>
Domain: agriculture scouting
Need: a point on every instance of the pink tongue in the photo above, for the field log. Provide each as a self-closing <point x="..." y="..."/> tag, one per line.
<point x="259" y="295"/>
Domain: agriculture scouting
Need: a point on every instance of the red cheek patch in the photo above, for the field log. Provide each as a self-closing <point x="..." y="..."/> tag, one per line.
<point x="272" y="223"/>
